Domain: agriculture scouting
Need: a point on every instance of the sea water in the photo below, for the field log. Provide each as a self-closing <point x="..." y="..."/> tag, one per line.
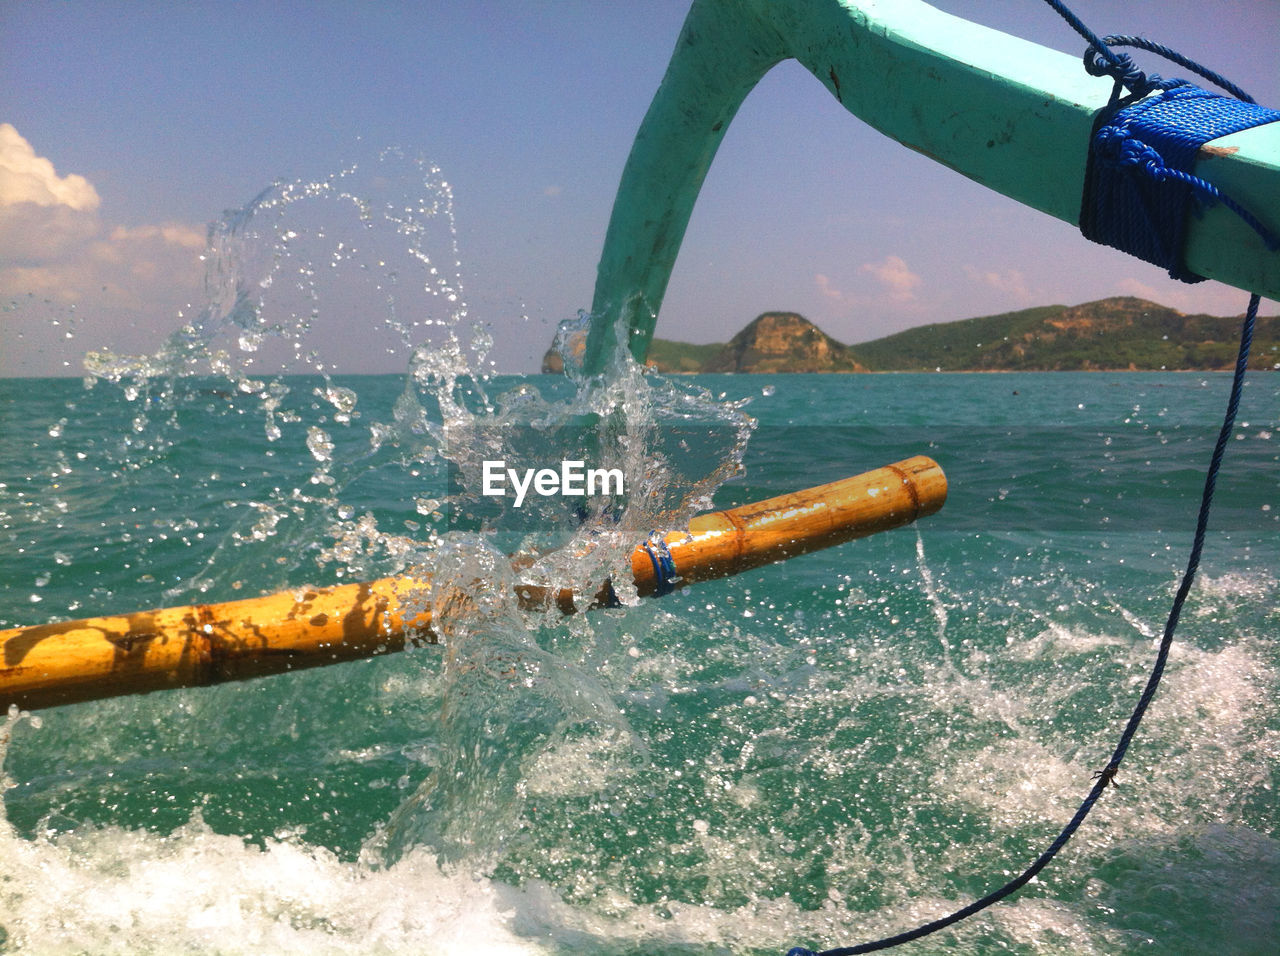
<point x="821" y="751"/>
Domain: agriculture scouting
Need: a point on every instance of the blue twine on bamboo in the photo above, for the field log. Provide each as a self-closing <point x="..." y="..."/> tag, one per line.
<point x="664" y="566"/>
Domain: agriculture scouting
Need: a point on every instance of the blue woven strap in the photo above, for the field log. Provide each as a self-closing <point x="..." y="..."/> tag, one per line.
<point x="1139" y="185"/>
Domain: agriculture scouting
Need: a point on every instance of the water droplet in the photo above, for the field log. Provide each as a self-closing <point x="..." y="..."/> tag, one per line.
<point x="319" y="443"/>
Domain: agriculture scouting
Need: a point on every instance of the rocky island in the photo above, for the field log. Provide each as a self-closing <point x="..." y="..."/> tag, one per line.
<point x="782" y="342"/>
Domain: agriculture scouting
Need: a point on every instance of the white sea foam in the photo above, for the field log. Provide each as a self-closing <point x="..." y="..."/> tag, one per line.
<point x="111" y="890"/>
<point x="115" y="891"/>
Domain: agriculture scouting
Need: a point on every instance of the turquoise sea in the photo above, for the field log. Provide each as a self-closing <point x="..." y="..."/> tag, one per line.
<point x="818" y="752"/>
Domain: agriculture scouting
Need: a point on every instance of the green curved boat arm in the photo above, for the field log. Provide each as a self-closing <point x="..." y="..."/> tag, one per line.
<point x="1007" y="113"/>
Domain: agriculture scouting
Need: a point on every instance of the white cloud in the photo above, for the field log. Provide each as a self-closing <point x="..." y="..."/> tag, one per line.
<point x="894" y="275"/>
<point x="1011" y="283"/>
<point x="827" y="289"/>
<point x="1210" y="298"/>
<point x="56" y="247"/>
<point x="31" y="235"/>
<point x="175" y="233"/>
<point x="126" y="268"/>
<point x="28" y="178"/>
<point x="1140" y="290"/>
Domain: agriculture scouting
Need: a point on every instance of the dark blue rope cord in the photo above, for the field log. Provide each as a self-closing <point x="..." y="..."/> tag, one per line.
<point x="1094" y="41"/>
<point x="1127" y="153"/>
<point x="664" y="567"/>
<point x="1101" y="60"/>
<point x="1142" y="43"/>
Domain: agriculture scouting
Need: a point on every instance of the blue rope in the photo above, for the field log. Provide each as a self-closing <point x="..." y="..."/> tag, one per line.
<point x="1139" y="187"/>
<point x="1142" y="43"/>
<point x="1139" y="184"/>
<point x="664" y="567"/>
<point x="1101" y="60"/>
<point x="1115" y="148"/>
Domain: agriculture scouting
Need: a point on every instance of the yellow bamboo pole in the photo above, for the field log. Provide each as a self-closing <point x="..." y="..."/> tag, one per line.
<point x="74" y="661"/>
<point x="720" y="543"/>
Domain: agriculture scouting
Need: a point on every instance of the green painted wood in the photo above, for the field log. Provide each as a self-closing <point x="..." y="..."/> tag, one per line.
<point x="722" y="52"/>
<point x="1245" y="166"/>
<point x="1005" y="112"/>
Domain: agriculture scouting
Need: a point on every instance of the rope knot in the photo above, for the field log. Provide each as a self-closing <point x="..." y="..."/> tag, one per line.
<point x="1116" y="148"/>
<point x="1107" y="776"/>
<point x="1118" y="66"/>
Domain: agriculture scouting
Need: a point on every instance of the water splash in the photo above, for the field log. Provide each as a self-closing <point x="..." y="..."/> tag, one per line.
<point x="838" y="750"/>
<point x="303" y="255"/>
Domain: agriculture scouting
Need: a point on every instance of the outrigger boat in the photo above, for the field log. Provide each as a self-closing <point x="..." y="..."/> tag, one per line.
<point x="1004" y="112"/>
<point x="1007" y="113"/>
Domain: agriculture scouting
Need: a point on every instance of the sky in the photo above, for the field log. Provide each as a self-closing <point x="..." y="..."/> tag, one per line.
<point x="126" y="128"/>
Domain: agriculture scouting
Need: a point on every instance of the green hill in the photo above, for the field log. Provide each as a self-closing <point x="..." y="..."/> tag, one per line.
<point x="681" y="356"/>
<point x="1116" y="333"/>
